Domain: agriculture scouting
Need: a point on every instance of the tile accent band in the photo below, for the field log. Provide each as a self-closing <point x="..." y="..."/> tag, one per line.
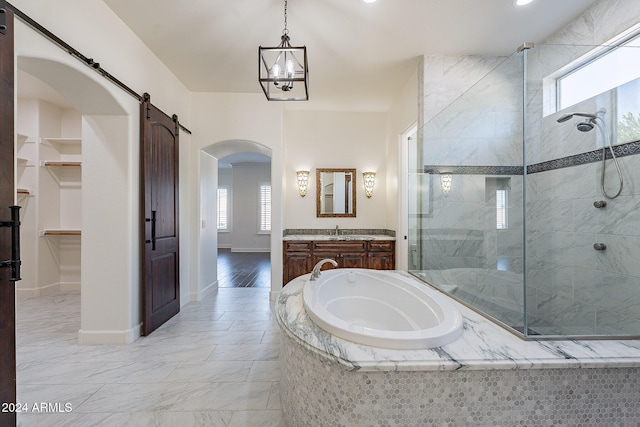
<point x="621" y="150"/>
<point x="593" y="156"/>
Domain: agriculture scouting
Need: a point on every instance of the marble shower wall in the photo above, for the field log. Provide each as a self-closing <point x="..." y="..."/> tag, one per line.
<point x="470" y="119"/>
<point x="478" y="139"/>
<point x="573" y="289"/>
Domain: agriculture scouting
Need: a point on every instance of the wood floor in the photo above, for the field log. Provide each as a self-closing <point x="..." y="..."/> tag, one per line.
<point x="243" y="269"/>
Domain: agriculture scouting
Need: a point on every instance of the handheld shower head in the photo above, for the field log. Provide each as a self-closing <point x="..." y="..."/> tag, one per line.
<point x="564" y="118"/>
<point x="569" y="116"/>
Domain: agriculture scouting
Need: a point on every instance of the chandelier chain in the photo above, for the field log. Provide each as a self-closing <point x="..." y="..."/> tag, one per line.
<point x="285" y="31"/>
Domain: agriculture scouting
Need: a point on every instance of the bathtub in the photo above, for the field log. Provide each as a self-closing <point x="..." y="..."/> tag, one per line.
<point x="381" y="309"/>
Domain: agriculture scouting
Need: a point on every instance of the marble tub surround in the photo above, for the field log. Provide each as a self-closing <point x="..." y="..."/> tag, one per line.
<point x="343" y="234"/>
<point x="482" y="346"/>
<point x="486" y="377"/>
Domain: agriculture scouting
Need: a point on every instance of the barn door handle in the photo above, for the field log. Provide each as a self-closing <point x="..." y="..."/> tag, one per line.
<point x="152" y="220"/>
<point x="14" y="262"/>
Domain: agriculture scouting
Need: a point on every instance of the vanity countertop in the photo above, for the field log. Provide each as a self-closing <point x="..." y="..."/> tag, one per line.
<point x="338" y="238"/>
<point x="482" y="346"/>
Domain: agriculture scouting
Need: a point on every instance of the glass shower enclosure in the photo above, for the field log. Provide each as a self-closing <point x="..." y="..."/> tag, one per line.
<point x="510" y="211"/>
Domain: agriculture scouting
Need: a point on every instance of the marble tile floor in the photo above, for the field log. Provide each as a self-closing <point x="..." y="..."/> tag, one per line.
<point x="214" y="364"/>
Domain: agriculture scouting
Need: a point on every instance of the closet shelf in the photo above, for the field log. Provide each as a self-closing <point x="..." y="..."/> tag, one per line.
<point x="22" y="138"/>
<point x="61" y="164"/>
<point x="23" y="162"/>
<point x="64" y="141"/>
<point x="60" y="232"/>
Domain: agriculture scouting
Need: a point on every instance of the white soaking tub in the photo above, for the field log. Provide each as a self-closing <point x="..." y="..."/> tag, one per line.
<point x="381" y="309"/>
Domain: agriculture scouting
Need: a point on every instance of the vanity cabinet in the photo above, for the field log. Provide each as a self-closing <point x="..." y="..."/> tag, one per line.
<point x="300" y="256"/>
<point x="382" y="255"/>
<point x="297" y="259"/>
<point x="347" y="254"/>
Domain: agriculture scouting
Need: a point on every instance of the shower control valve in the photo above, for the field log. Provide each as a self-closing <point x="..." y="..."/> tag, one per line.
<point x="600" y="204"/>
<point x="599" y="246"/>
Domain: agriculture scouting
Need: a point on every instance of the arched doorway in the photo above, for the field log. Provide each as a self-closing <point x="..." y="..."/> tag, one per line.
<point x="100" y="194"/>
<point x="244" y="154"/>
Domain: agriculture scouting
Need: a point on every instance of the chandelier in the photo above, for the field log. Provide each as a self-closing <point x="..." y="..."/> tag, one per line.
<point x="283" y="71"/>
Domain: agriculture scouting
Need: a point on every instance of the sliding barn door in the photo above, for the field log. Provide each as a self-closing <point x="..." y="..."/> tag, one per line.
<point x="161" y="289"/>
<point x="7" y="282"/>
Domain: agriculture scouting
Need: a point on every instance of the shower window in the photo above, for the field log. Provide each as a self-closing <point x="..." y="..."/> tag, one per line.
<point x="593" y="75"/>
<point x="501" y="209"/>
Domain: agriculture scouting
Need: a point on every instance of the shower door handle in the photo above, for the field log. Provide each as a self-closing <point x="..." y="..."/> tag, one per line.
<point x="14" y="263"/>
<point x="152" y="220"/>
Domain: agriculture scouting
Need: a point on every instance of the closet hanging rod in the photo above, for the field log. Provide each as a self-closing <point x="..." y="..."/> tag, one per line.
<point x="82" y="58"/>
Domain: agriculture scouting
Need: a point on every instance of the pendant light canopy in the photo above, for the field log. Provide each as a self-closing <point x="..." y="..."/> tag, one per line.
<point x="283" y="71"/>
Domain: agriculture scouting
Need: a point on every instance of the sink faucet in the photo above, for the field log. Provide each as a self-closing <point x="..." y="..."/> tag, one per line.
<point x="315" y="273"/>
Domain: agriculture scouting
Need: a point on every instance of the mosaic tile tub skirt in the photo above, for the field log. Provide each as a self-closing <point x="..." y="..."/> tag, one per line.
<point x="316" y="392"/>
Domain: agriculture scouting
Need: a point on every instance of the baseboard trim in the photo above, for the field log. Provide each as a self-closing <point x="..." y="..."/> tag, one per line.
<point x="212" y="288"/>
<point x="126" y="336"/>
<point x="53" y="288"/>
<point x="250" y="250"/>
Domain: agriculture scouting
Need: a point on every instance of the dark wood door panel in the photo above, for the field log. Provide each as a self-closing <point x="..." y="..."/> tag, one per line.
<point x="163" y="270"/>
<point x="160" y="239"/>
<point x="163" y="177"/>
<point x="7" y="286"/>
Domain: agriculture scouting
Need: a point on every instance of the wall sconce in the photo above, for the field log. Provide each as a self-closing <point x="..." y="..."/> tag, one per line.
<point x="303" y="182"/>
<point x="445" y="182"/>
<point x="369" y="181"/>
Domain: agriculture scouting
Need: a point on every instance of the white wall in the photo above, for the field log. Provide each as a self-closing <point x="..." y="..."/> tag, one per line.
<point x="325" y="139"/>
<point x="208" y="269"/>
<point x="402" y="115"/>
<point x="246" y="198"/>
<point x="242" y="182"/>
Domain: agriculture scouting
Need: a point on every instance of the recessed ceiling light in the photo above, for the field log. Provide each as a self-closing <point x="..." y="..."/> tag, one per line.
<point x="369" y="1"/>
<point x="521" y="2"/>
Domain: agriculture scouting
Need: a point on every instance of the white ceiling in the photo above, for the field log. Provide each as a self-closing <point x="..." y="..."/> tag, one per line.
<point x="359" y="54"/>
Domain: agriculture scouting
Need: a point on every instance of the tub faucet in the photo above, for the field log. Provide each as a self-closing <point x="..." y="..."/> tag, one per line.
<point x="315" y="273"/>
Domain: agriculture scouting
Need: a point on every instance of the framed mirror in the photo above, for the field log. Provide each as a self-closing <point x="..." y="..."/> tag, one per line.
<point x="335" y="193"/>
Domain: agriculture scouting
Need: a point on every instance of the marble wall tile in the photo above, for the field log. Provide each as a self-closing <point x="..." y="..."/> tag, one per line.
<point x="481" y="127"/>
<point x="552" y="215"/>
<point x="463" y="188"/>
<point x="559" y="315"/>
<point x="550" y="276"/>
<point x="564" y="184"/>
<point x="611" y="323"/>
<point x="446" y="78"/>
<point x="621" y="216"/>
<point x="599" y="23"/>
<point x="607" y="291"/>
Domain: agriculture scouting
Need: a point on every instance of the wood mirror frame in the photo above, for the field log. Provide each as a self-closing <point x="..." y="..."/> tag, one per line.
<point x="349" y="193"/>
